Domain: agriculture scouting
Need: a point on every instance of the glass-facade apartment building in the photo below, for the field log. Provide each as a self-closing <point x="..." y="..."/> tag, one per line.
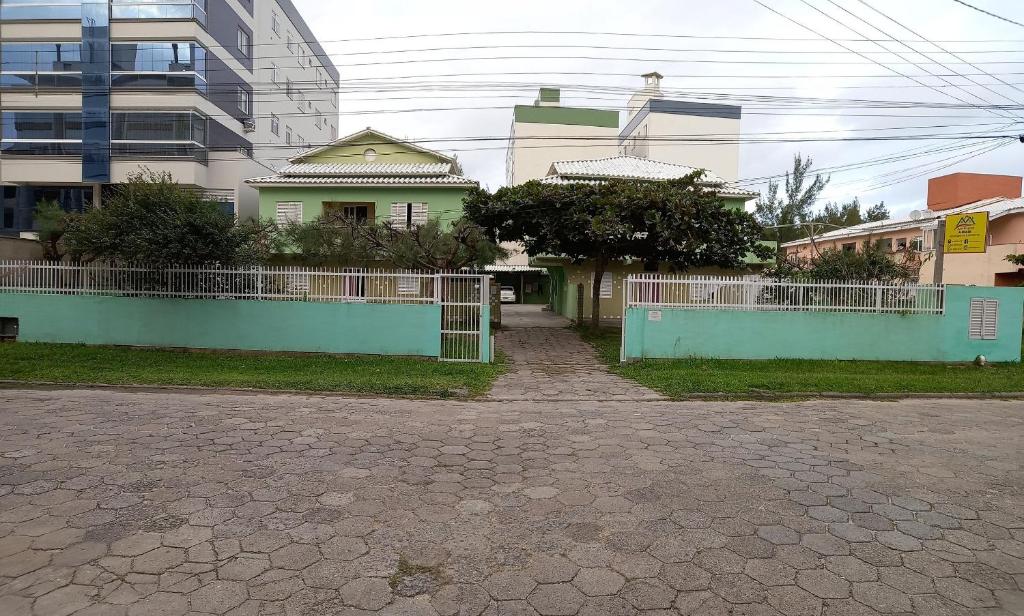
<point x="212" y="91"/>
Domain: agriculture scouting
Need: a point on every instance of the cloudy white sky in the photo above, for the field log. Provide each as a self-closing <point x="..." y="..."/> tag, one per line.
<point x="468" y="87"/>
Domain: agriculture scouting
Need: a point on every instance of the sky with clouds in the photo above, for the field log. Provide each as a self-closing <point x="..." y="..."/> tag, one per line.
<point x="398" y="76"/>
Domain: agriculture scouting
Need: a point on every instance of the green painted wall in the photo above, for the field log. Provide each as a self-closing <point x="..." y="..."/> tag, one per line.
<point x="737" y="334"/>
<point x="574" y="116"/>
<point x="375" y="329"/>
<point x="444" y="203"/>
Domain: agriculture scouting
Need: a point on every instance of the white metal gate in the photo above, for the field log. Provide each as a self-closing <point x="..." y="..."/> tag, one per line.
<point x="464" y="321"/>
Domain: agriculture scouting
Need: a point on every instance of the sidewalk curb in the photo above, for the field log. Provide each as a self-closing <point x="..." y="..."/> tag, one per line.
<point x="6" y="385"/>
<point x="697" y="397"/>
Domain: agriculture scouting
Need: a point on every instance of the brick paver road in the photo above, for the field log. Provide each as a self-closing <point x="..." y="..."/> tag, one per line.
<point x="163" y="504"/>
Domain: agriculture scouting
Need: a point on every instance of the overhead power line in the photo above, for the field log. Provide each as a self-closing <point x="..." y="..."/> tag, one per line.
<point x="959" y="87"/>
<point x="989" y="13"/>
<point x="946" y="51"/>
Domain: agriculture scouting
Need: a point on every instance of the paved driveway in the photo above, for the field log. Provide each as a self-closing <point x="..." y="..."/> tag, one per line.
<point x="549" y="362"/>
<point x="159" y="504"/>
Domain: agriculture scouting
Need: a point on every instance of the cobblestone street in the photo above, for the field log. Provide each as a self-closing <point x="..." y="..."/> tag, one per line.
<point x="173" y="503"/>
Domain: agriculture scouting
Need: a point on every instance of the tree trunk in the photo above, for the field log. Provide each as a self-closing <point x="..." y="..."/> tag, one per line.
<point x="595" y="314"/>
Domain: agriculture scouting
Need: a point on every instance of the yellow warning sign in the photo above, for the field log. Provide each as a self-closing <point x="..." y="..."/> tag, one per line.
<point x="966" y="232"/>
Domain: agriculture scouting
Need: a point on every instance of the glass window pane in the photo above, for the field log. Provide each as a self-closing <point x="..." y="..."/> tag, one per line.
<point x="40" y="9"/>
<point x="153" y="57"/>
<point x="40" y="125"/>
<point x="41" y="57"/>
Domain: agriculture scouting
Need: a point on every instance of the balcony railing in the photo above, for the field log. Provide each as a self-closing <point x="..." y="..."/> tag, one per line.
<point x="168" y="10"/>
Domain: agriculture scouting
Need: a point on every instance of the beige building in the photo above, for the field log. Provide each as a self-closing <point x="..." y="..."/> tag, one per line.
<point x="679" y="131"/>
<point x="913" y="237"/>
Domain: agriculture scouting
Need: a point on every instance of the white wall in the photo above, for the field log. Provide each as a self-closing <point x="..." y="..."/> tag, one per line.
<point x="530" y="159"/>
<point x="721" y="159"/>
<point x="299" y="114"/>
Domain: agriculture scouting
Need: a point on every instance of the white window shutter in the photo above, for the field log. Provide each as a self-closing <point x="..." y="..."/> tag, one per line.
<point x="419" y="213"/>
<point x="983" y="319"/>
<point x="606" y="285"/>
<point x="991" y="327"/>
<point x="289" y="212"/>
<point x="408" y="285"/>
<point x="399" y="214"/>
<point x="298" y="282"/>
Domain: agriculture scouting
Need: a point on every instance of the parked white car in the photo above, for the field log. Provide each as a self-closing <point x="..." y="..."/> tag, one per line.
<point x="508" y="295"/>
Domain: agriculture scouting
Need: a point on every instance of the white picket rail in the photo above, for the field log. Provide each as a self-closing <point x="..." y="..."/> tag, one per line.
<point x="279" y="283"/>
<point x="763" y="294"/>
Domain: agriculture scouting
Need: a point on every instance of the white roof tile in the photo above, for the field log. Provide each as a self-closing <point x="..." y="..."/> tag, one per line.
<point x="628" y="168"/>
<point x="997" y="207"/>
<point x="632" y="168"/>
<point x="366" y="169"/>
<point x="364" y="180"/>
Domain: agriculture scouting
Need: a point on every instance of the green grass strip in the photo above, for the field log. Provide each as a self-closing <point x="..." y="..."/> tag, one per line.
<point x="364" y="375"/>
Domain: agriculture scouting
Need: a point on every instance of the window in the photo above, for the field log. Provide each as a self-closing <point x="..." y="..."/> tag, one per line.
<point x="339" y="210"/>
<point x="901" y="243"/>
<point x="318" y="120"/>
<point x="275" y="25"/>
<point x="408" y="285"/>
<point x="408" y="215"/>
<point x="243" y="43"/>
<point x="41" y="133"/>
<point x="288" y="135"/>
<point x="44" y="65"/>
<point x="369" y="155"/>
<point x="274" y="76"/>
<point x="850" y="247"/>
<point x="243" y="100"/>
<point x="983" y="319"/>
<point x="917" y="244"/>
<point x="606" y="285"/>
<point x="288" y="90"/>
<point x="289" y="212"/>
<point x="24" y="10"/>
<point x="885" y="244"/>
<point x="275" y="125"/>
<point x="152" y="64"/>
<point x="289" y="45"/>
<point x="158" y="134"/>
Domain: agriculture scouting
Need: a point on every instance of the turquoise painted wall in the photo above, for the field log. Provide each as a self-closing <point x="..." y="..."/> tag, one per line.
<point x="374" y="329"/>
<point x="444" y="203"/>
<point x="736" y="334"/>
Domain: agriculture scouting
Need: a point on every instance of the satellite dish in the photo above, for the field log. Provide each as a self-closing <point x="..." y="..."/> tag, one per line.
<point x="916" y="215"/>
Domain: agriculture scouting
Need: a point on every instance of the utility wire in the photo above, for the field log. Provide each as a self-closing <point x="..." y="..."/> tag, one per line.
<point x="989" y="13"/>
<point x="962" y="89"/>
<point x="944" y="50"/>
<point x="886" y="66"/>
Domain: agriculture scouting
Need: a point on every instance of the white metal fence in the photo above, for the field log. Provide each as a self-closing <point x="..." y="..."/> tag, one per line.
<point x="462" y="296"/>
<point x="213" y="282"/>
<point x="763" y="294"/>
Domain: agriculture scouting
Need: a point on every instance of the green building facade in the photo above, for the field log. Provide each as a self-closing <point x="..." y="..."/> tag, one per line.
<point x="366" y="176"/>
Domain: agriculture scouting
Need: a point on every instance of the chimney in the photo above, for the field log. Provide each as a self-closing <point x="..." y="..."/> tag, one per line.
<point x="548" y="97"/>
<point x="956" y="189"/>
<point x="651" y="89"/>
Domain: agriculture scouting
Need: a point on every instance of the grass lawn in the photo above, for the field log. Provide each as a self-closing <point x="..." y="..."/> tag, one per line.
<point x="395" y="376"/>
<point x="679" y="377"/>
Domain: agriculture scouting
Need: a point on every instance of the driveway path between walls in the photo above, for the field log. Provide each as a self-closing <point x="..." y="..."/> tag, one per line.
<point x="548" y="361"/>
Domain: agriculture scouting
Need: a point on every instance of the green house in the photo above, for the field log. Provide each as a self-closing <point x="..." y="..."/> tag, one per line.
<point x="366" y="176"/>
